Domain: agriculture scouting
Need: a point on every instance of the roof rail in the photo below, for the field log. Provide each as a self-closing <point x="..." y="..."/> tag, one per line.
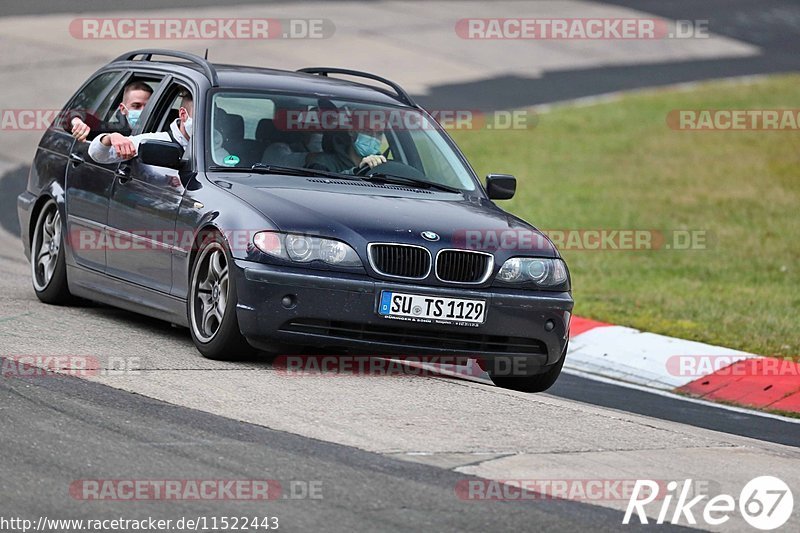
<point x="324" y="71"/>
<point x="148" y="53"/>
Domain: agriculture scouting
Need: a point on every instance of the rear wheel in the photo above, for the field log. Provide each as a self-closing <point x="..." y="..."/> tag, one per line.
<point x="48" y="266"/>
<point x="535" y="383"/>
<point x="212" y="304"/>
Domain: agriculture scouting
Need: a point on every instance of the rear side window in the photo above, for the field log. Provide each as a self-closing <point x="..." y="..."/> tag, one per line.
<point x="86" y="104"/>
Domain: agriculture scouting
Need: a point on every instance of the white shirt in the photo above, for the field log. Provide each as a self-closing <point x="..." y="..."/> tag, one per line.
<point x="106" y="154"/>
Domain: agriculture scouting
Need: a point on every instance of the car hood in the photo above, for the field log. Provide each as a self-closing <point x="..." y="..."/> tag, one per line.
<point x="359" y="214"/>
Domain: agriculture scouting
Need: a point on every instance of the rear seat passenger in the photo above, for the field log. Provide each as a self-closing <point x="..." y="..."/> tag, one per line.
<point x="282" y="147"/>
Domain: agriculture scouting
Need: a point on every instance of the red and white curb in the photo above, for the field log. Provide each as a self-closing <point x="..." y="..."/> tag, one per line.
<point x="664" y="364"/>
<point x="694" y="368"/>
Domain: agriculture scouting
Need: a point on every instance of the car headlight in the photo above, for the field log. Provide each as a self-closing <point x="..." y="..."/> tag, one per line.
<point x="299" y="247"/>
<point x="305" y="249"/>
<point x="540" y="271"/>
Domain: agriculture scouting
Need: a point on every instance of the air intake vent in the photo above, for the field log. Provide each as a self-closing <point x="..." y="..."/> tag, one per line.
<point x="400" y="260"/>
<point x="403" y="339"/>
<point x="459" y="266"/>
<point x="355" y="183"/>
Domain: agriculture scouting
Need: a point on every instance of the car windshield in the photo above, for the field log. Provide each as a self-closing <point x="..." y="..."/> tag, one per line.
<point x="332" y="136"/>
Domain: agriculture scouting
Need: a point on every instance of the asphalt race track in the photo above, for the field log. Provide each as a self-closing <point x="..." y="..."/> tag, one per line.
<point x="97" y="429"/>
<point x="385" y="453"/>
<point x="384" y="450"/>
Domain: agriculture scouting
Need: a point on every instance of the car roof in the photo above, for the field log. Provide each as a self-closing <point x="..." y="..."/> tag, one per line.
<point x="255" y="78"/>
<point x="232" y="76"/>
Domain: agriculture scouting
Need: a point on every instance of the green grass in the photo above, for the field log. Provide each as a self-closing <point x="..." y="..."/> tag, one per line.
<point x="618" y="165"/>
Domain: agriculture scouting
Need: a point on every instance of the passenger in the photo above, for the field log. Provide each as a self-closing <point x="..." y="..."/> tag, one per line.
<point x="115" y="147"/>
<point x="134" y="97"/>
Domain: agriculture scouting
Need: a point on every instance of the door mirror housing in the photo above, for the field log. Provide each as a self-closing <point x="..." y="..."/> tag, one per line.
<point x="501" y="186"/>
<point x="161" y="154"/>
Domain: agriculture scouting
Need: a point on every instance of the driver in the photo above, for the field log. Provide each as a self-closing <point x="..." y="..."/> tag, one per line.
<point x="348" y="151"/>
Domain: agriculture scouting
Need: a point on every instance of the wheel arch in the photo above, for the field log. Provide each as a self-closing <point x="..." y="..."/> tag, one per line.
<point x="204" y="229"/>
<point x="46" y="196"/>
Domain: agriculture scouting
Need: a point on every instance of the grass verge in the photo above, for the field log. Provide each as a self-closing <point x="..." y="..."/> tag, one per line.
<point x="618" y="165"/>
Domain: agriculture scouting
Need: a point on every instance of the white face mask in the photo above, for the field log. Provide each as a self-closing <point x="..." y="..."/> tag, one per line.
<point x="188" y="126"/>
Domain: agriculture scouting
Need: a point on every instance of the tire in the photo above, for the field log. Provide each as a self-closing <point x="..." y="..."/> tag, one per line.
<point x="211" y="306"/>
<point x="536" y="383"/>
<point x="48" y="263"/>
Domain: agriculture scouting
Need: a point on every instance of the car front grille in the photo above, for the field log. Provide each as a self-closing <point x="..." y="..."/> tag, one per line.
<point x="418" y="339"/>
<point x="461" y="266"/>
<point x="400" y="260"/>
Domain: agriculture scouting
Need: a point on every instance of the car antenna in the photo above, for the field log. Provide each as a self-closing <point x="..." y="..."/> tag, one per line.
<point x="206" y="56"/>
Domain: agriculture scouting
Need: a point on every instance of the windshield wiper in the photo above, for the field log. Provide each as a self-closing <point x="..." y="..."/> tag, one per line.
<point x="295" y="171"/>
<point x="263" y="168"/>
<point x="402" y="180"/>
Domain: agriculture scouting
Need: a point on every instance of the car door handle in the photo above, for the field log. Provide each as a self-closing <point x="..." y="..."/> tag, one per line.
<point x="123" y="174"/>
<point x="75" y="159"/>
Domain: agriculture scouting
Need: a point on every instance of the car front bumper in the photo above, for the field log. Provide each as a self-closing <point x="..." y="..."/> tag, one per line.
<point x="300" y="308"/>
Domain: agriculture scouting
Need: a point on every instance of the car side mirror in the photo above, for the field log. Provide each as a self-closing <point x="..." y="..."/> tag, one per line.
<point x="501" y="186"/>
<point x="161" y="154"/>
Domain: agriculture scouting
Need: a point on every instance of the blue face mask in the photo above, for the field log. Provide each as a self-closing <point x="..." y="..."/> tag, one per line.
<point x="133" y="116"/>
<point x="365" y="145"/>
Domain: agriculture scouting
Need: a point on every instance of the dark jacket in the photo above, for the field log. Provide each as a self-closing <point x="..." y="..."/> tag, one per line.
<point x="118" y="125"/>
<point x="331" y="162"/>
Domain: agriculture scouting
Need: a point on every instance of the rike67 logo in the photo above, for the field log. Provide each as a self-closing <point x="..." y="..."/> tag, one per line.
<point x="766" y="503"/>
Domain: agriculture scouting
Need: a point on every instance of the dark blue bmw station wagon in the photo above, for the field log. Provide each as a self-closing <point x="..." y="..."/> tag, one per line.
<point x="313" y="210"/>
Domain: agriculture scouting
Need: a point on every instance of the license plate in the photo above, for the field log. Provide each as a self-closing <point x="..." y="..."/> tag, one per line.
<point x="419" y="308"/>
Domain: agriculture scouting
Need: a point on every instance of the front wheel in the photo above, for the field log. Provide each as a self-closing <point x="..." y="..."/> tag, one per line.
<point x="535" y="383"/>
<point x="48" y="265"/>
<point x="212" y="304"/>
